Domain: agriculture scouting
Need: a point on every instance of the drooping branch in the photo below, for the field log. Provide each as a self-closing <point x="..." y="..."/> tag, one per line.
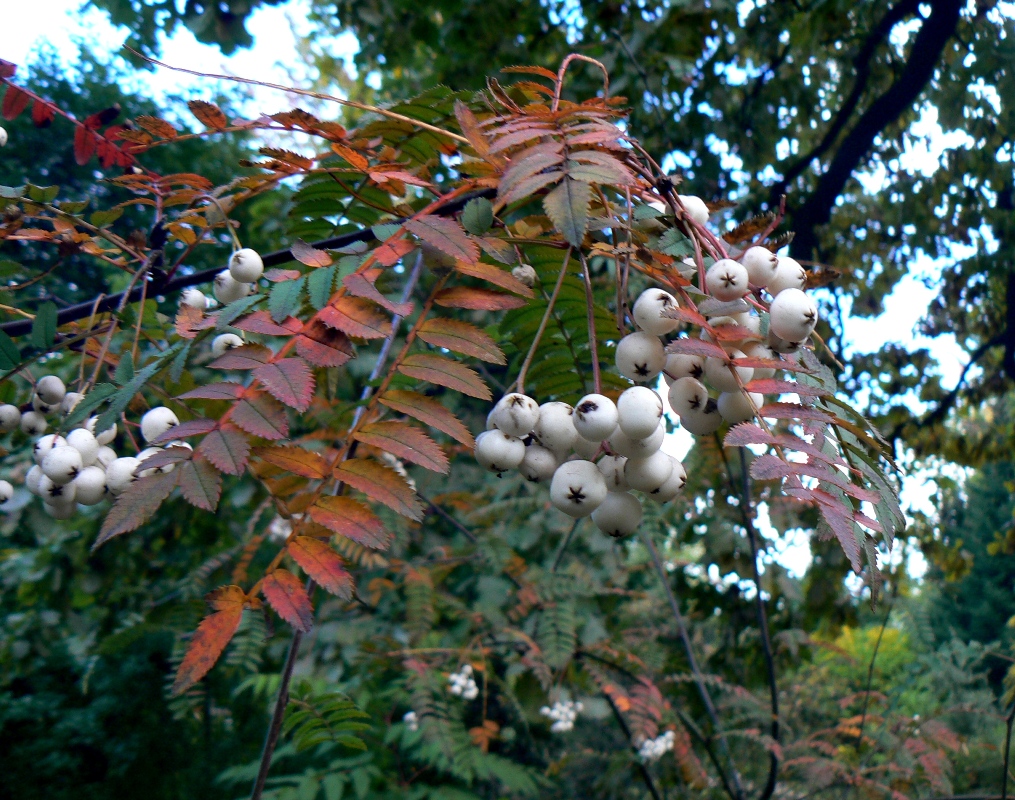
<point x="924" y="57"/>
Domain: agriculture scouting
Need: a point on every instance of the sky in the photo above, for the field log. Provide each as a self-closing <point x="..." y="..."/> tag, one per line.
<point x="61" y="24"/>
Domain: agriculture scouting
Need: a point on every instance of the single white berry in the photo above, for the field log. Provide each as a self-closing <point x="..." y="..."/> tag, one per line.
<point x="648" y="474"/>
<point x="44" y="446"/>
<point x="761" y="264"/>
<point x="703" y="422"/>
<point x="595" y="417"/>
<point x="735" y="407"/>
<point x="40" y="405"/>
<point x="193" y="298"/>
<point x="788" y="275"/>
<point x="62" y="464"/>
<point x="515" y="414"/>
<point x="639" y="410"/>
<point x="695" y="208"/>
<point x="759" y="350"/>
<point x="538" y="464"/>
<point x="640" y="357"/>
<point x="618" y="515"/>
<point x="726" y="280"/>
<point x="612" y="468"/>
<point x="156" y="422"/>
<point x="103" y="437"/>
<point x="687" y="396"/>
<point x="32" y="479"/>
<point x="60" y="510"/>
<point x="623" y="445"/>
<point x="50" y="390"/>
<point x="498" y="452"/>
<point x="577" y="488"/>
<point x="10" y="418"/>
<point x="3" y="137"/>
<point x="648" y="312"/>
<point x="720" y="373"/>
<point x="682" y="365"/>
<point x="585" y="449"/>
<point x="90" y="486"/>
<point x="780" y="345"/>
<point x="6" y="491"/>
<point x="793" y="315"/>
<point x="246" y="266"/>
<point x="555" y="428"/>
<point x="672" y="486"/>
<point x="525" y="274"/>
<point x="33" y="423"/>
<point x="223" y="342"/>
<point x="70" y="400"/>
<point x="227" y="290"/>
<point x="86" y="444"/>
<point x="120" y="474"/>
<point x="56" y="492"/>
<point x="105" y="456"/>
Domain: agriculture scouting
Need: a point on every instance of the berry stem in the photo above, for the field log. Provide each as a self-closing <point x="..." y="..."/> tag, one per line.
<point x="597" y="379"/>
<point x="551" y="301"/>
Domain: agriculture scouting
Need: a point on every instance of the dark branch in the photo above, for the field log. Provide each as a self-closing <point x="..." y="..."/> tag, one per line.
<point x="924" y="56"/>
<point x="163" y="286"/>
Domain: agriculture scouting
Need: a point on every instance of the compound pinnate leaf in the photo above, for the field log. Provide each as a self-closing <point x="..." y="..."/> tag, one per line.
<point x="289" y="380"/>
<point x="211" y="637"/>
<point x="284" y="593"/>
<point x="382" y="484"/>
<point x="428" y="411"/>
<point x="200" y="484"/>
<point x="461" y="337"/>
<point x="136" y="505"/>
<point x="227" y="448"/>
<point x="406" y="442"/>
<point x="356" y="317"/>
<point x="445" y="235"/>
<point x="351" y="519"/>
<point x="295" y="460"/>
<point x="445" y="372"/>
<point x="321" y="563"/>
<point x="262" y="415"/>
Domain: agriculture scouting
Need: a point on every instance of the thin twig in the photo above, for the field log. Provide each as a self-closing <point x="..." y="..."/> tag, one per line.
<point x="563" y="545"/>
<point x="597" y="380"/>
<point x="870" y="677"/>
<point x="645" y="774"/>
<point x="520" y="382"/>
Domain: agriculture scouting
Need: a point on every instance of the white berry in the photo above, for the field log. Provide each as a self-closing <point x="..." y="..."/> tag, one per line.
<point x="227" y="290"/>
<point x="788" y="275"/>
<point x="32" y="480"/>
<point x="10" y="418"/>
<point x="577" y="488"/>
<point x="105" y="456"/>
<point x="223" y="342"/>
<point x="90" y="486"/>
<point x="687" y="396"/>
<point x="62" y="464"/>
<point x="498" y="452"/>
<point x="515" y="414"/>
<point x="86" y="444"/>
<point x="50" y="390"/>
<point x="103" y="437"/>
<point x="681" y="365"/>
<point x="780" y="345"/>
<point x="612" y="468"/>
<point x="735" y="407"/>
<point x="595" y="417"/>
<point x="639" y="410"/>
<point x="719" y="372"/>
<point x="44" y="446"/>
<point x="618" y="515"/>
<point x="120" y="474"/>
<point x="56" y="492"/>
<point x="3" y="137"/>
<point x="793" y="315"/>
<point x="761" y="264"/>
<point x="525" y="274"/>
<point x="61" y="510"/>
<point x="41" y="406"/>
<point x="156" y="422"/>
<point x="623" y="445"/>
<point x="648" y="312"/>
<point x="759" y="350"/>
<point x="246" y="266"/>
<point x="648" y="474"/>
<point x="726" y="280"/>
<point x="695" y="208"/>
<point x="585" y="449"/>
<point x="538" y="465"/>
<point x="193" y="298"/>
<point x="555" y="428"/>
<point x="640" y="357"/>
<point x="703" y="422"/>
<point x="672" y="486"/>
<point x="6" y="491"/>
<point x="70" y="400"/>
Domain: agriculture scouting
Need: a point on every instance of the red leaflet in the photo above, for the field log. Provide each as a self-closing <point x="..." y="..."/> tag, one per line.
<point x="213" y="391"/>
<point x="322" y="564"/>
<point x="194" y="427"/>
<point x="249" y="356"/>
<point x="324" y="347"/>
<point x="200" y="484"/>
<point x="285" y="594"/>
<point x="388" y="253"/>
<point x="261" y="322"/>
<point x="226" y="448"/>
<point x="775" y="386"/>
<point x="295" y="460"/>
<point x="15" y="101"/>
<point x="42" y="114"/>
<point x="494" y="275"/>
<point x="696" y="347"/>
<point x="477" y="299"/>
<point x="447" y="235"/>
<point x="428" y="411"/>
<point x="382" y="484"/>
<point x="136" y="505"/>
<point x="356" y="317"/>
<point x="351" y="519"/>
<point x="405" y="441"/>
<point x="289" y="380"/>
<point x="445" y="372"/>
<point x="361" y="286"/>
<point x="85" y="144"/>
<point x="311" y="256"/>
<point x="461" y="337"/>
<point x="261" y="415"/>
<point x="211" y="637"/>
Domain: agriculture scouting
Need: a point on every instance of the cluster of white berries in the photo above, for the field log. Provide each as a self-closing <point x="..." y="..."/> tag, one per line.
<point x="411" y="720"/>
<point x="462" y="684"/>
<point x="81" y="467"/>
<point x="563" y="713"/>
<point x="538" y="440"/>
<point x="641" y="356"/>
<point x="654" y="749"/>
<point x="232" y="284"/>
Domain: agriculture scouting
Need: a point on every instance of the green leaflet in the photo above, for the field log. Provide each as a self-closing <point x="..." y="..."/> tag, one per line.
<point x="568" y="208"/>
<point x="44" y="326"/>
<point x="477" y="216"/>
<point x="285" y="298"/>
<point x="10" y="356"/>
